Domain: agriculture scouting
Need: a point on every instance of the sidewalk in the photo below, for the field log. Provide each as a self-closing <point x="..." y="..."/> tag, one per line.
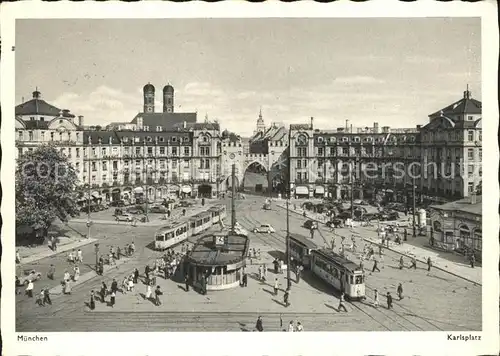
<point x="414" y="247"/>
<point x="47" y="252"/>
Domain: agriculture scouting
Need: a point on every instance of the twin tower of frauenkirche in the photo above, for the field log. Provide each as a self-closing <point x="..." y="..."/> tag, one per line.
<point x="149" y="98"/>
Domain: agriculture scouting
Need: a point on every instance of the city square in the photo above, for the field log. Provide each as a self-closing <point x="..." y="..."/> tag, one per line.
<point x="171" y="205"/>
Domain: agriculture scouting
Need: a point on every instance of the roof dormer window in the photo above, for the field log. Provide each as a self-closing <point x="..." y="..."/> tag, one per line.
<point x="320" y="139"/>
<point x="344" y="139"/>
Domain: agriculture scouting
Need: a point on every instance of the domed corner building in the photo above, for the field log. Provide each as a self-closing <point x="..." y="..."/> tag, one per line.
<point x="219" y="258"/>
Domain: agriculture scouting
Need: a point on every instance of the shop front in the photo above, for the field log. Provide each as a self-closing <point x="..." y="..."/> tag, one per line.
<point x="186" y="191"/>
<point x="319" y="191"/>
<point x="301" y="191"/>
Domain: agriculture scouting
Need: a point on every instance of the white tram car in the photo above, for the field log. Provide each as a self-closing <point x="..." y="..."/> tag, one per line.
<point x="301" y="248"/>
<point x="179" y="231"/>
<point x="341" y="273"/>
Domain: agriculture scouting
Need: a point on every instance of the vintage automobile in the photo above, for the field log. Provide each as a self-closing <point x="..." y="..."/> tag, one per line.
<point x="264" y="229"/>
<point x="29" y="275"/>
<point x="124" y="217"/>
<point x="311" y="225"/>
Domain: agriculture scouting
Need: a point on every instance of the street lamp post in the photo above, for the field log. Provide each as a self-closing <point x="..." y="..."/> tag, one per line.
<point x="288" y="259"/>
<point x="97" y="257"/>
<point x="413" y="198"/>
<point x="89" y="192"/>
<point x="233" y="188"/>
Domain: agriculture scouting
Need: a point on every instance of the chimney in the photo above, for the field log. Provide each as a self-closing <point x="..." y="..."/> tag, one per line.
<point x="419" y="127"/>
<point x="37" y="94"/>
<point x="346" y="124"/>
<point x="312" y="121"/>
<point x="351" y="128"/>
<point x="80" y="120"/>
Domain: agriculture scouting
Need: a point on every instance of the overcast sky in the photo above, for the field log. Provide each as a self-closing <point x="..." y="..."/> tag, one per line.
<point x="391" y="71"/>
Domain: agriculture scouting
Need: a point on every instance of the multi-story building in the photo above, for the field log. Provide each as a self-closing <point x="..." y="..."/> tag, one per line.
<point x="158" y="155"/>
<point x="452" y="149"/>
<point x="332" y="162"/>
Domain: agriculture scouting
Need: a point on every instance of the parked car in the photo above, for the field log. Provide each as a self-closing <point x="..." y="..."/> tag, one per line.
<point x="389" y="215"/>
<point x="267" y="206"/>
<point x="311" y="225"/>
<point x="239" y="231"/>
<point x="336" y="222"/>
<point x="184" y="204"/>
<point x="158" y="209"/>
<point x="124" y="217"/>
<point x="264" y="229"/>
<point x="134" y="210"/>
<point x="118" y="203"/>
<point x="30" y="275"/>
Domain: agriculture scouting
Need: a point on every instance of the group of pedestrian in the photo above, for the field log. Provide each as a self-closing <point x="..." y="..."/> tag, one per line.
<point x="43" y="298"/>
<point x="259" y="326"/>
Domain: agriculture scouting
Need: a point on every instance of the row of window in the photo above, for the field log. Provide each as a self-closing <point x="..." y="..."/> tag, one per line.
<point x="457" y="135"/>
<point x="60" y="136"/>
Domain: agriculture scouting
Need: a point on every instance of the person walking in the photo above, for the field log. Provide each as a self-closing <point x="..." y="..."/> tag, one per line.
<point x="103" y="291"/>
<point x="136" y="275"/>
<point x="291" y="327"/>
<point x="92" y="300"/>
<point x="46" y="296"/>
<point x="286" y="297"/>
<point x="361" y="264"/>
<point x="79" y="255"/>
<point x="245" y="279"/>
<point x="375" y="266"/>
<point x="67" y="287"/>
<point x="29" y="289"/>
<point x="40" y="298"/>
<point x="158" y="292"/>
<point x="375" y="299"/>
<point x="298" y="271"/>
<point x="112" y="299"/>
<point x="76" y="275"/>
<point x="472" y="260"/>
<point x="118" y="252"/>
<point x="405" y="235"/>
<point x="429" y="264"/>
<point x="130" y="284"/>
<point x="276" y="265"/>
<point x="401" y="262"/>
<point x="276" y="286"/>
<point x="258" y="324"/>
<point x="66" y="276"/>
<point x="71" y="257"/>
<point x="52" y="272"/>
<point x="186" y="282"/>
<point x="400" y="291"/>
<point x="413" y="263"/>
<point x="149" y="292"/>
<point x="114" y="286"/>
<point x="389" y="300"/>
<point x="299" y="327"/>
<point x="342" y="303"/>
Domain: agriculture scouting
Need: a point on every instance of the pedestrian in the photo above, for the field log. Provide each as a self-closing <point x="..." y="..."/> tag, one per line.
<point x="118" y="252"/>
<point x="54" y="245"/>
<point x="183" y="212"/>
<point x="406" y="235"/>
<point x="333" y="244"/>
<point x="67" y="286"/>
<point x="29" y="289"/>
<point x="341" y="303"/>
<point x="261" y="273"/>
<point x="130" y="284"/>
<point x="264" y="272"/>
<point x="258" y="324"/>
<point x="114" y="286"/>
<point x="46" y="296"/>
<point x="375" y="266"/>
<point x="291" y="327"/>
<point x="186" y="282"/>
<point x="276" y="265"/>
<point x="103" y="291"/>
<point x="79" y="255"/>
<point x="158" y="292"/>
<point x="286" y="297"/>
<point x="472" y="260"/>
<point x="101" y="269"/>
<point x="298" y="271"/>
<point x="380" y="250"/>
<point x="276" y="286"/>
<point x="400" y="291"/>
<point x="112" y="299"/>
<point x="66" y="276"/>
<point x="76" y="275"/>
<point x="136" y="275"/>
<point x="299" y="327"/>
<point x="375" y="299"/>
<point x="245" y="279"/>
<point x="429" y="264"/>
<point x="18" y="257"/>
<point x="389" y="300"/>
<point x="125" y="285"/>
<point x="71" y="257"/>
<point x="401" y="263"/>
<point x="92" y="300"/>
<point x="361" y="265"/>
<point x="413" y="263"/>
<point x="132" y="248"/>
<point x="52" y="272"/>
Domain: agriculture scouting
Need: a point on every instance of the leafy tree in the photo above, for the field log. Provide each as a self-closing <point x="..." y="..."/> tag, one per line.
<point x="45" y="189"/>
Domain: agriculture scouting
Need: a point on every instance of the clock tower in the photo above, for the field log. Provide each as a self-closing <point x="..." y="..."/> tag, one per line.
<point x="149" y="98"/>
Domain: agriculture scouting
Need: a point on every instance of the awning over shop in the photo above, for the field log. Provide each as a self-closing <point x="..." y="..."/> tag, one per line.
<point x="302" y="190"/>
<point x="96" y="195"/>
<point x="138" y="190"/>
<point x="319" y="190"/>
<point x="186" y="189"/>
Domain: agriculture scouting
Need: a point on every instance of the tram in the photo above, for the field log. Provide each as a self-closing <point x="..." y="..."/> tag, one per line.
<point x="218" y="213"/>
<point x="339" y="272"/>
<point x="200" y="222"/>
<point x="301" y="248"/>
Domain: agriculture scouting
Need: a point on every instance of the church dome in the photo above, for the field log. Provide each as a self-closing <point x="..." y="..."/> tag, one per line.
<point x="148" y="87"/>
<point x="168" y="88"/>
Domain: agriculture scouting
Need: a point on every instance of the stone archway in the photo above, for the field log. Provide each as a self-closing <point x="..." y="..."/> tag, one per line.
<point x="255" y="178"/>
